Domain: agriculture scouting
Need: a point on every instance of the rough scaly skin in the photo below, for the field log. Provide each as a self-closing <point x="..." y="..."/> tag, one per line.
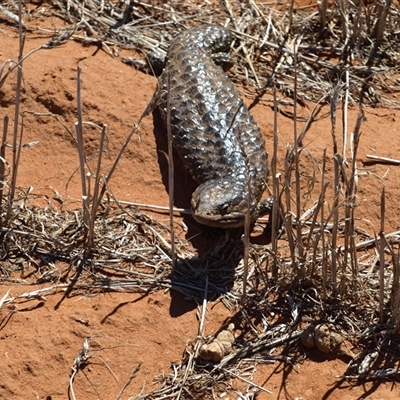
<point x="213" y="131"/>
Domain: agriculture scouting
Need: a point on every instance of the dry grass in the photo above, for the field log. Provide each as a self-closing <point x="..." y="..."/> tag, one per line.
<point x="345" y="45"/>
<point x="317" y="271"/>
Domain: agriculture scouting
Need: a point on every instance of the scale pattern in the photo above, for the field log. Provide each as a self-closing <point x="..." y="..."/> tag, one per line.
<point x="213" y="131"/>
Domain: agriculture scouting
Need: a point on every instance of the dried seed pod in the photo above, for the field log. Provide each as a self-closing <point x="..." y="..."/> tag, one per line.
<point x="219" y="347"/>
<point x="326" y="339"/>
<point x="329" y="341"/>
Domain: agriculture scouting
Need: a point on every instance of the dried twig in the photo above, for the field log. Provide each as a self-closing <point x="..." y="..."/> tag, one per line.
<point x="384" y="160"/>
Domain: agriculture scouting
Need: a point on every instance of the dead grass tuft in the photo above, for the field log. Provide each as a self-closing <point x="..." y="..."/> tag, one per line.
<point x="353" y="44"/>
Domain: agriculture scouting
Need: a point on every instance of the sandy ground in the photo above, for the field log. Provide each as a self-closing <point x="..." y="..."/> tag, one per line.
<point x="39" y="342"/>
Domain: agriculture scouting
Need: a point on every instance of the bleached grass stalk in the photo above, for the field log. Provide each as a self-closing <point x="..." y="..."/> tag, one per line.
<point x="81" y="360"/>
<point x="153" y="207"/>
<point x="395" y="290"/>
<point x="292" y="158"/>
<point x="333" y="114"/>
<point x="384" y="160"/>
<point x="289" y="27"/>
<point x="171" y="186"/>
<point x="246" y="240"/>
<point x="90" y="195"/>
<point x="203" y="313"/>
<point x="299" y="244"/>
<point x="288" y="220"/>
<point x="319" y="210"/>
<point x="358" y="24"/>
<point x="2" y="163"/>
<point x="128" y="382"/>
<point x="342" y="8"/>
<point x="396" y="314"/>
<point x="350" y="186"/>
<point x="16" y="144"/>
<point x="10" y="15"/>
<point x="4" y="298"/>
<point x="275" y="191"/>
<point x="382" y="12"/>
<point x="194" y="354"/>
<point x="345" y="110"/>
<point x="352" y="201"/>
<point x="336" y="191"/>
<point x="382" y="260"/>
<point x="95" y="199"/>
<point x="16" y="149"/>
<point x="324" y="247"/>
<point x="81" y="151"/>
<point x="322" y="9"/>
<point x="387" y="246"/>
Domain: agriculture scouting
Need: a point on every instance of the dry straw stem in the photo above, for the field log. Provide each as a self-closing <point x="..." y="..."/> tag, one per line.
<point x="300" y="252"/>
<point x="170" y="174"/>
<point x="246" y="244"/>
<point x="81" y="151"/>
<point x="79" y="362"/>
<point x="384" y="160"/>
<point x="350" y="253"/>
<point x="381" y="250"/>
<point x="96" y="200"/>
<point x="4" y="298"/>
<point x="12" y="16"/>
<point x="130" y="379"/>
<point x="321" y="234"/>
<point x="275" y="191"/>
<point x="3" y="163"/>
<point x="83" y="358"/>
<point x="16" y="145"/>
<point x="192" y="355"/>
<point x="396" y="310"/>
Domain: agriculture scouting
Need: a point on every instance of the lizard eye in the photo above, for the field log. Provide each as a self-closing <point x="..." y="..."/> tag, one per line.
<point x="224" y="209"/>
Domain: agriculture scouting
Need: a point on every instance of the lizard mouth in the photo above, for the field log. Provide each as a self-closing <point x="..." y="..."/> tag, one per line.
<point x="220" y="204"/>
<point x="227" y="221"/>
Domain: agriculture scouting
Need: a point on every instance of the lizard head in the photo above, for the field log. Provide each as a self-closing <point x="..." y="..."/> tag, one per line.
<point x="222" y="203"/>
